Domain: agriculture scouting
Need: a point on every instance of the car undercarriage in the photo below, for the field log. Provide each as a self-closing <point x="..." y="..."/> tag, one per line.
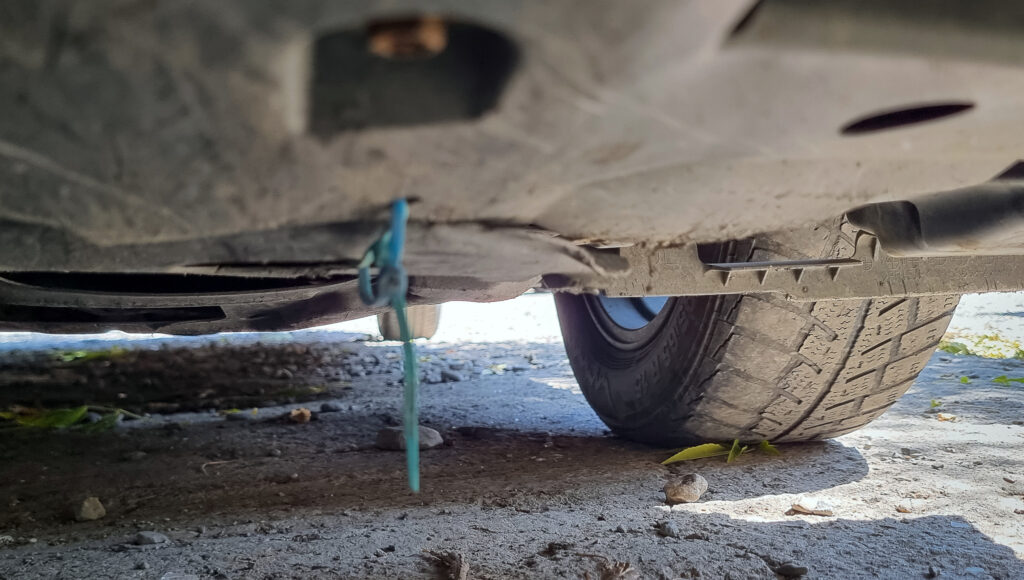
<point x="192" y="168"/>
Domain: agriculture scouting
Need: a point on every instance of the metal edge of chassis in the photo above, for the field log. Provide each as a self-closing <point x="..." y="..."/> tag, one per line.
<point x="955" y="242"/>
<point x="869" y="272"/>
<point x="898" y="249"/>
<point x="276" y="287"/>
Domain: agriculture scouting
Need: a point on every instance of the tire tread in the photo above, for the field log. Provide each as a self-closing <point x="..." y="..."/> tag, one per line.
<point x="764" y="368"/>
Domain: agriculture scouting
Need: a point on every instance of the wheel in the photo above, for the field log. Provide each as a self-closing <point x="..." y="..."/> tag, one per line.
<point x="423" y="321"/>
<point x="687" y="370"/>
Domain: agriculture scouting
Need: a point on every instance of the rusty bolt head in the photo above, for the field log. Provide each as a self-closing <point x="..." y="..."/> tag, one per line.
<point x="408" y="38"/>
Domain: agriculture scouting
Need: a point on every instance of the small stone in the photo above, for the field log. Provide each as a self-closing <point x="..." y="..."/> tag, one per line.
<point x="667" y="529"/>
<point x="142" y="566"/>
<point x="457" y="365"/>
<point x="553" y="549"/>
<point x="388" y="420"/>
<point x="283" y="374"/>
<point x="685" y="489"/>
<point x="90" y="509"/>
<point x="330" y="407"/>
<point x="910" y="451"/>
<point x="932" y="572"/>
<point x="696" y="536"/>
<point x="274" y="452"/>
<point x="149" y="538"/>
<point x="450" y="376"/>
<point x="620" y="530"/>
<point x="791" y="570"/>
<point x="393" y="438"/>
<point x="300" y="415"/>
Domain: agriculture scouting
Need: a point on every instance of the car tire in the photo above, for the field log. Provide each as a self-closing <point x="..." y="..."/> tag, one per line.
<point x="751" y="367"/>
<point x="423" y="322"/>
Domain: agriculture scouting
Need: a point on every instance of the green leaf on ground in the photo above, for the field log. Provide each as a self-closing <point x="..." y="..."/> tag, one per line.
<point x="84" y="355"/>
<point x="1005" y="380"/>
<point x="954" y="347"/>
<point x="715" y="450"/>
<point x="990" y="345"/>
<point x="735" y="451"/>
<point x="108" y="422"/>
<point x="52" y="418"/>
<point x="965" y="380"/>
<point x="936" y="403"/>
<point x="698" y="452"/>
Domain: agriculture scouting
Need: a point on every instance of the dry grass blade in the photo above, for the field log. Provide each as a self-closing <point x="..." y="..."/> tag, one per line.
<point x="798" y="509"/>
<point x="609" y="570"/>
<point x="453" y="563"/>
<point x="203" y="466"/>
<point x="618" y="571"/>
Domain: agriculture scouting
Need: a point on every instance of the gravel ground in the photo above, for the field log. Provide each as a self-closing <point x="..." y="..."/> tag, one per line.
<point x="528" y="484"/>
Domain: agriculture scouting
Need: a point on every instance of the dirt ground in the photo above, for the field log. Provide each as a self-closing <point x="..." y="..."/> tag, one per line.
<point x="528" y="483"/>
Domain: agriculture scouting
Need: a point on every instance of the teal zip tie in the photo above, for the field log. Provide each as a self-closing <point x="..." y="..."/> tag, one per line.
<point x="391" y="286"/>
<point x="410" y="410"/>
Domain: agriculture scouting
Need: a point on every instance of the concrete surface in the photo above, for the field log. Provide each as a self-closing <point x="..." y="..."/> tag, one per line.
<point x="528" y="484"/>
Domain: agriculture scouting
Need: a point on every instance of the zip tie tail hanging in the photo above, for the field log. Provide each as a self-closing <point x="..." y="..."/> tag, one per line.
<point x="390" y="288"/>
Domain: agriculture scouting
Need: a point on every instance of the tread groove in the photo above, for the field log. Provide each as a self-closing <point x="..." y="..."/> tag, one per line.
<point x="885" y="309"/>
<point x="861" y="317"/>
